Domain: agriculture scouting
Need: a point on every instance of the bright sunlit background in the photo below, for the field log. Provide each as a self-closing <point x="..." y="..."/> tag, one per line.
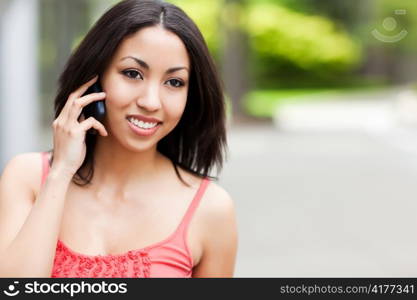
<point x="322" y="119"/>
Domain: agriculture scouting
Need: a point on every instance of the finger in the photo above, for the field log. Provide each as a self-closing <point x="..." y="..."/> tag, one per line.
<point x="93" y="123"/>
<point x="82" y="89"/>
<point x="67" y="107"/>
<point x="80" y="103"/>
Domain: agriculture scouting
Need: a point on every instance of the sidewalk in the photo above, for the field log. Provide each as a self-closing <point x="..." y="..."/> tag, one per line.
<point x="338" y="203"/>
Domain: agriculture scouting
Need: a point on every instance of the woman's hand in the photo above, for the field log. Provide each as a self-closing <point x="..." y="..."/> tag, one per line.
<point x="70" y="129"/>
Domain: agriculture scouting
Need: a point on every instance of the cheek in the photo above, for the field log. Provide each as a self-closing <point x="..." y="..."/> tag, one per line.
<point x="175" y="109"/>
<point x="117" y="96"/>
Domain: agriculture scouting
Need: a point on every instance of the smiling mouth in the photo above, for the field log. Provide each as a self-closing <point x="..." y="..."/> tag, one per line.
<point x="142" y="125"/>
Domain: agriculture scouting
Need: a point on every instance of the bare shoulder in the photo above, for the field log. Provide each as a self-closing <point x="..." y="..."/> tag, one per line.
<point x="215" y="203"/>
<point x="219" y="239"/>
<point x="24" y="169"/>
<point x="217" y="207"/>
<point x="217" y="199"/>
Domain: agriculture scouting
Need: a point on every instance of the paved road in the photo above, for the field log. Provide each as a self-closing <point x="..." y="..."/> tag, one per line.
<point x="323" y="203"/>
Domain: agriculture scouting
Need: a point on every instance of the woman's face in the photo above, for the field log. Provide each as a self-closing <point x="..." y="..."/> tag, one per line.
<point x="147" y="77"/>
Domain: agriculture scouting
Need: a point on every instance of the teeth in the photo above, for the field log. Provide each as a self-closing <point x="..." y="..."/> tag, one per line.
<point x="141" y="124"/>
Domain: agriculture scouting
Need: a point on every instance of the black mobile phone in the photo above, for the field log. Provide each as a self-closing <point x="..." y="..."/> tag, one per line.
<point x="96" y="109"/>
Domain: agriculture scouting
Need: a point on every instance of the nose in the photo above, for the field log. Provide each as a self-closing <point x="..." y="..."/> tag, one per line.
<point x="150" y="99"/>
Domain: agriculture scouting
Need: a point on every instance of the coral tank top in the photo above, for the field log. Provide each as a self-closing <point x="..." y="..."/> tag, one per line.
<point x="170" y="257"/>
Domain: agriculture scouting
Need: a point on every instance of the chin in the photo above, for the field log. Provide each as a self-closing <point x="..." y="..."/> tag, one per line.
<point x="140" y="146"/>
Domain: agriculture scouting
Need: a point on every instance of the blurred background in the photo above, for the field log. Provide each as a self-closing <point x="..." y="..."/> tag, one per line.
<point x="322" y="121"/>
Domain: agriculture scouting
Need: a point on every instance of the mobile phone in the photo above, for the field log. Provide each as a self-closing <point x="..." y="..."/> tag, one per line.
<point x="96" y="109"/>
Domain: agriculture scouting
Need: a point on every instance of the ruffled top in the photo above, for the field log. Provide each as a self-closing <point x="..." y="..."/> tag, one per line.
<point x="170" y="257"/>
<point x="68" y="263"/>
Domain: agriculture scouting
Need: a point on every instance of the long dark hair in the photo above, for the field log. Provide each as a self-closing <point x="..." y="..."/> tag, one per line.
<point x="199" y="139"/>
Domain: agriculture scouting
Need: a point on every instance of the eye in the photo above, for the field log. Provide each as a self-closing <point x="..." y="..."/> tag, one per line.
<point x="176" y="83"/>
<point x="132" y="74"/>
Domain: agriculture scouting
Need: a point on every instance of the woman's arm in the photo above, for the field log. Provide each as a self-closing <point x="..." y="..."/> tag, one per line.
<point x="29" y="227"/>
<point x="220" y="239"/>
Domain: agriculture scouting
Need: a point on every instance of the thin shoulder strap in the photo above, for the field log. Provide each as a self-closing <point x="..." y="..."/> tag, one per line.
<point x="45" y="166"/>
<point x="194" y="204"/>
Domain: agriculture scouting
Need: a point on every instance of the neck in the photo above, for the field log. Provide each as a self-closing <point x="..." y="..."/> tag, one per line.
<point x="116" y="167"/>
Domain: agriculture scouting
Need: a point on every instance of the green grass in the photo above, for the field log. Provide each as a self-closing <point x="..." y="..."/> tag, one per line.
<point x="263" y="103"/>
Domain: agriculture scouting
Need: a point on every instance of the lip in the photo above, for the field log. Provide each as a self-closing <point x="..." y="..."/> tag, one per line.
<point x="144" y="119"/>
<point x="143" y="132"/>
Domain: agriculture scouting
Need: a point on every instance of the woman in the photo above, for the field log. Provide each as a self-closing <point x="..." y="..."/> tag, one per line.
<point x="135" y="199"/>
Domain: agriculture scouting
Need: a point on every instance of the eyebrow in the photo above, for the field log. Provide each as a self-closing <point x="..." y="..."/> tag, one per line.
<point x="146" y="66"/>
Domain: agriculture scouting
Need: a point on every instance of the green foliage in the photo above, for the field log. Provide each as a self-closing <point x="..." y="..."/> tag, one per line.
<point x="310" y="43"/>
<point x="206" y="14"/>
<point x="264" y="103"/>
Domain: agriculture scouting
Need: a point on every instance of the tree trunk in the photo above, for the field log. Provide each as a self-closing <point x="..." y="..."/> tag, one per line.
<point x="234" y="56"/>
